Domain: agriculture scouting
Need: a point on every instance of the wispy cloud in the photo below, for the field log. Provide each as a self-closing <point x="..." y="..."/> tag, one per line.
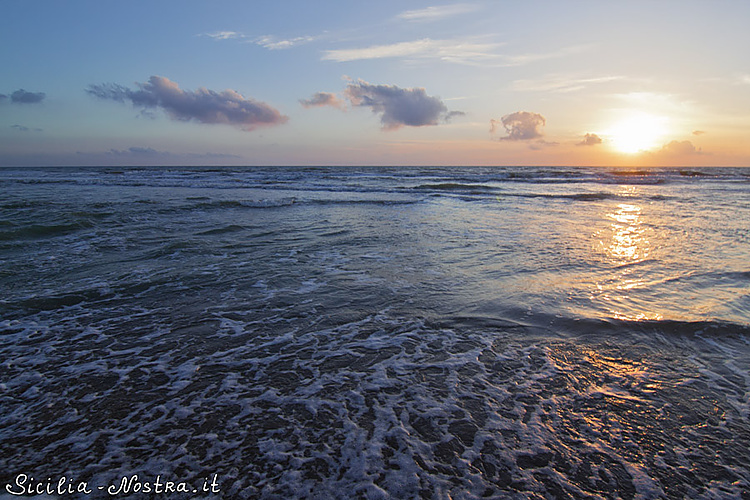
<point x="203" y="105"/>
<point x="454" y="50"/>
<point x="560" y="83"/>
<point x="467" y="50"/>
<point x="523" y="59"/>
<point x="436" y="13"/>
<point x="225" y="35"/>
<point x="270" y="42"/>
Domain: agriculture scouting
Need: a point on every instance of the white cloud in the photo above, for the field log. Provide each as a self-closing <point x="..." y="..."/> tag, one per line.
<point x="271" y="42"/>
<point x="523" y="59"/>
<point x="467" y="50"/>
<point x="560" y="83"/>
<point x="436" y="13"/>
<point x="224" y="35"/>
<point x="454" y="50"/>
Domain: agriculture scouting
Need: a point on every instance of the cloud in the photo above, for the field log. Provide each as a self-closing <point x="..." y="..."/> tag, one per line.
<point x="22" y="128"/>
<point x="520" y="126"/>
<point x="22" y="96"/>
<point x="453" y="114"/>
<point x="680" y="148"/>
<point x="322" y="99"/>
<point x="452" y="50"/>
<point x="560" y="83"/>
<point x="522" y="59"/>
<point x="590" y="140"/>
<point x="466" y="50"/>
<point x="269" y="42"/>
<point x="698" y="132"/>
<point x="225" y="35"/>
<point x="203" y="105"/>
<point x="273" y="43"/>
<point x="398" y="107"/>
<point x="436" y="13"/>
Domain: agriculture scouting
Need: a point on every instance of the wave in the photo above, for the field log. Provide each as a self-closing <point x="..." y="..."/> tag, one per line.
<point x="36" y="231"/>
<point x="456" y="186"/>
<point x="233" y="228"/>
<point x="219" y="204"/>
<point x="599" y="196"/>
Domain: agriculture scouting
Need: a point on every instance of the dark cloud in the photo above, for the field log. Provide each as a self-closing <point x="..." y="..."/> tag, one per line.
<point x="453" y="114"/>
<point x="22" y="96"/>
<point x="520" y="126"/>
<point x="322" y="99"/>
<point x="22" y="128"/>
<point x="398" y="107"/>
<point x="203" y="105"/>
<point x="590" y="140"/>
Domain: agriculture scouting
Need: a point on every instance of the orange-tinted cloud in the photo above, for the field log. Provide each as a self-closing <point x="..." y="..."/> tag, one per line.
<point x="681" y="148"/>
<point x="590" y="140"/>
<point x="322" y="99"/>
<point x="520" y="126"/>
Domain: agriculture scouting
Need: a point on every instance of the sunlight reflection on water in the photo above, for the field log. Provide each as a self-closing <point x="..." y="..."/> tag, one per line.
<point x="629" y="240"/>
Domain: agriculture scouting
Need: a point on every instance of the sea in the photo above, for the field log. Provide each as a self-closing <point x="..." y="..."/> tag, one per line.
<point x="375" y="333"/>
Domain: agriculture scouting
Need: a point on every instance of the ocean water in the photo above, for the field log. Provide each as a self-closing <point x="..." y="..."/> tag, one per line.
<point x="377" y="333"/>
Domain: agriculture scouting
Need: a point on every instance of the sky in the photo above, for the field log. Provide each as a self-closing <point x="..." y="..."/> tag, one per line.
<point x="289" y="82"/>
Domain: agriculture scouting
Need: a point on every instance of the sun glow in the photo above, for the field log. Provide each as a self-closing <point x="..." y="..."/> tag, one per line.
<point x="637" y="132"/>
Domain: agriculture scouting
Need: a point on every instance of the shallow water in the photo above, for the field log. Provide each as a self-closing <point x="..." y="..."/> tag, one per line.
<point x="378" y="332"/>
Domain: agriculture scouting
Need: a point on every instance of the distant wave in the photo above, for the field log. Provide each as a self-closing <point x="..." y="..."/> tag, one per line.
<point x="455" y="186"/>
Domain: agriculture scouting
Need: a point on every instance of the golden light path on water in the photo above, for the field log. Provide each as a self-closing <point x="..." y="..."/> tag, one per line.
<point x="628" y="240"/>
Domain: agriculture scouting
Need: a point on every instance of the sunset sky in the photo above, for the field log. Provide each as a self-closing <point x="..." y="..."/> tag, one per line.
<point x="374" y="83"/>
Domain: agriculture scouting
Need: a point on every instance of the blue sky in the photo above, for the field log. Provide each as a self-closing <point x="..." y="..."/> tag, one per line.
<point x="396" y="83"/>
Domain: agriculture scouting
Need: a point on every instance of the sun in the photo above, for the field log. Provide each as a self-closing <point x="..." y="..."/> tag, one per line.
<point x="637" y="132"/>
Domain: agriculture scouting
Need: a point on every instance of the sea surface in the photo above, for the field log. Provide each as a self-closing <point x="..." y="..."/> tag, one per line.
<point x="375" y="333"/>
